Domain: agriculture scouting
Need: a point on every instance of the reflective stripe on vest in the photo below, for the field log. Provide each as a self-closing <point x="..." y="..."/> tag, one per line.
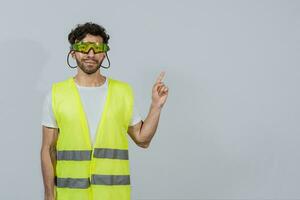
<point x="96" y="180"/>
<point x="74" y="155"/>
<point x="110" y="179"/>
<point x="72" y="182"/>
<point x="98" y="153"/>
<point x="111" y="153"/>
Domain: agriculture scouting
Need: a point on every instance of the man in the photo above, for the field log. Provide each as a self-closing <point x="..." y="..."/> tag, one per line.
<point x="84" y="153"/>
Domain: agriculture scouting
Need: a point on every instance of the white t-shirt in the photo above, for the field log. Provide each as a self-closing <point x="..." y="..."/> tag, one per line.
<point x="93" y="99"/>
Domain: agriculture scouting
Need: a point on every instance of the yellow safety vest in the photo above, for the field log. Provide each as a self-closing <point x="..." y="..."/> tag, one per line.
<point x="84" y="172"/>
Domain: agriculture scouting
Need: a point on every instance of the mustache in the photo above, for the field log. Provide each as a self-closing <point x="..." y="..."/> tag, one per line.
<point x="90" y="60"/>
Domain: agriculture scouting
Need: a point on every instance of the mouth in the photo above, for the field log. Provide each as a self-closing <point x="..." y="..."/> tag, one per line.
<point x="89" y="61"/>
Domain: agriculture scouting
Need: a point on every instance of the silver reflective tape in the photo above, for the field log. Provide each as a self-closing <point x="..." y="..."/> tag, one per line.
<point x="74" y="155"/>
<point x="72" y="182"/>
<point x="111" y="153"/>
<point x="110" y="179"/>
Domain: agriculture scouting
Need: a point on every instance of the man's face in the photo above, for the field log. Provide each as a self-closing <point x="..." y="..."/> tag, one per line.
<point x="89" y="63"/>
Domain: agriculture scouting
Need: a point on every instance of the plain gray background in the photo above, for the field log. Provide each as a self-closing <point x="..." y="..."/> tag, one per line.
<point x="230" y="126"/>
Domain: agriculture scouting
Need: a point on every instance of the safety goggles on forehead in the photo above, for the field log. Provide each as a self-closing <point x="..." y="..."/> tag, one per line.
<point x="84" y="47"/>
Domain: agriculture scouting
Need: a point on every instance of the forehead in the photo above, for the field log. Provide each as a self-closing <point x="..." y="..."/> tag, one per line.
<point x="92" y="38"/>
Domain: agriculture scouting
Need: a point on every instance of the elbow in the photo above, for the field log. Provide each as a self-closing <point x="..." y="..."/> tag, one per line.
<point x="144" y="145"/>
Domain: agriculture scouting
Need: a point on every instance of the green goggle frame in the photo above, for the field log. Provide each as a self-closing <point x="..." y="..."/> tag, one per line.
<point x="84" y="47"/>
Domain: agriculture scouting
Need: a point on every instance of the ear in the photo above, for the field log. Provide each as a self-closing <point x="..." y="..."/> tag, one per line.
<point x="73" y="54"/>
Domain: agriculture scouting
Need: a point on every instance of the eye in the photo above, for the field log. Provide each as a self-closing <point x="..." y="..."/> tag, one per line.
<point x="81" y="47"/>
<point x="98" y="48"/>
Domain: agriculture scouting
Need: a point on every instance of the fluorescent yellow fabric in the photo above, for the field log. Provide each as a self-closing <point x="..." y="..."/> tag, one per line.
<point x="74" y="171"/>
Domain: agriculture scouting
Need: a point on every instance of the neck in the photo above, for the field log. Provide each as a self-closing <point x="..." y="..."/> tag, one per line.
<point x="89" y="80"/>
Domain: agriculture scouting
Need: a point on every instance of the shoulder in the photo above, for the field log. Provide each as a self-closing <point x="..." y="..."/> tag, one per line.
<point x="120" y="84"/>
<point x="62" y="82"/>
<point x="47" y="97"/>
<point x="61" y="85"/>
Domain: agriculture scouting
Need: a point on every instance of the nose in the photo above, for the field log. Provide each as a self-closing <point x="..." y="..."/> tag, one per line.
<point x="91" y="52"/>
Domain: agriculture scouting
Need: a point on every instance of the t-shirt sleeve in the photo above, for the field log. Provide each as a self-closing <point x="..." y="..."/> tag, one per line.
<point x="48" y="118"/>
<point x="136" y="117"/>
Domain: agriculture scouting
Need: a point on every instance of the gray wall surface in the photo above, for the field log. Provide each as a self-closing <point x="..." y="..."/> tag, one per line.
<point x="229" y="128"/>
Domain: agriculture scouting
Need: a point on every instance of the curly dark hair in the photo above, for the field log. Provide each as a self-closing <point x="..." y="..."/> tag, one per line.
<point x="82" y="30"/>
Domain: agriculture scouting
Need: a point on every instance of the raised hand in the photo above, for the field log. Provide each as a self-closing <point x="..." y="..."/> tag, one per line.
<point x="159" y="91"/>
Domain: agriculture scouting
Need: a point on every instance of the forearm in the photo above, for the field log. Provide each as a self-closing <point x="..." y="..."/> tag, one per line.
<point x="150" y="124"/>
<point x="48" y="164"/>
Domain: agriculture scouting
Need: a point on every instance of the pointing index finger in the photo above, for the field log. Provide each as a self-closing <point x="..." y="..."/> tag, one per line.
<point x="160" y="77"/>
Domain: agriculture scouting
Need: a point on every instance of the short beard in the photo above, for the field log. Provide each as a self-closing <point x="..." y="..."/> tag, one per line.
<point x="88" y="70"/>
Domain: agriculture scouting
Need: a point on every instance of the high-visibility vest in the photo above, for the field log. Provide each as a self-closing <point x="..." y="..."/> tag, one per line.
<point x="84" y="171"/>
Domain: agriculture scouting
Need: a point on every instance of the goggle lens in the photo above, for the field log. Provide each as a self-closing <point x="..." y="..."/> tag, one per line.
<point x="84" y="47"/>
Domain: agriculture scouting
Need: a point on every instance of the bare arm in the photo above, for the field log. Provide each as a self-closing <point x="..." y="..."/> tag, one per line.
<point x="143" y="132"/>
<point x="48" y="160"/>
